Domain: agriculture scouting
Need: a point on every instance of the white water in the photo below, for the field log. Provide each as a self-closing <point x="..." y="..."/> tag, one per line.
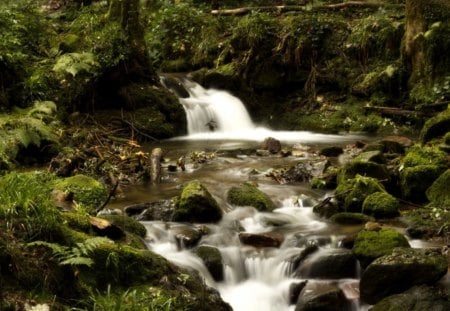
<point x="217" y="115"/>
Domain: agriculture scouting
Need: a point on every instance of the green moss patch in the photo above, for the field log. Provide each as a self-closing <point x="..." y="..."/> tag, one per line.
<point x="439" y="192"/>
<point x="381" y="205"/>
<point x="248" y="194"/>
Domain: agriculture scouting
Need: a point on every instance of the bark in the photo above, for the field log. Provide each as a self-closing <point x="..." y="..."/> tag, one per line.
<point x="137" y="66"/>
<point x="155" y="159"/>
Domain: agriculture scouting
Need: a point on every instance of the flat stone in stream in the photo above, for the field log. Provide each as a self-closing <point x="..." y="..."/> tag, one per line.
<point x="328" y="298"/>
<point x="269" y="239"/>
<point x="160" y="210"/>
<point x="404" y="268"/>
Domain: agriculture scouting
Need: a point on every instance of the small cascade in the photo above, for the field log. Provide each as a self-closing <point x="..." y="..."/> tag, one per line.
<point x="210" y="110"/>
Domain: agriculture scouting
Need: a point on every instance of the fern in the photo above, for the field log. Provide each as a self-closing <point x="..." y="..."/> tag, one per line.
<point x="75" y="63"/>
<point x="78" y="255"/>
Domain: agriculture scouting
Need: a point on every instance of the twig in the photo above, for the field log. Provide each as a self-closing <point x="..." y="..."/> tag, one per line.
<point x="111" y="193"/>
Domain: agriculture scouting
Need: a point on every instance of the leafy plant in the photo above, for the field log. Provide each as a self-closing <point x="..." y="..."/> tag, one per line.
<point x="78" y="255"/>
<point x="76" y="63"/>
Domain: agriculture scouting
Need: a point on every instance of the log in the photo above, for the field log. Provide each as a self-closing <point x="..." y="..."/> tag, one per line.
<point x="155" y="162"/>
<point x="393" y="111"/>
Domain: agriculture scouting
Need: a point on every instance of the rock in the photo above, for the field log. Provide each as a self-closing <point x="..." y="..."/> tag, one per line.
<point x="329" y="264"/>
<point x="312" y="240"/>
<point x="294" y="291"/>
<point x="103" y="227"/>
<point x="363" y="168"/>
<point x="439" y="192"/>
<point x="351" y="193"/>
<point x="414" y="181"/>
<point x="304" y="171"/>
<point x="196" y="205"/>
<point x="298" y="259"/>
<point x="420" y="168"/>
<point x="325" y="299"/>
<point x="370" y="245"/>
<point x="269" y="239"/>
<point x="160" y="210"/>
<point x="371" y="156"/>
<point x="212" y="258"/>
<point x="185" y="236"/>
<point x="381" y="205"/>
<point x="272" y="144"/>
<point x="417" y="298"/>
<point x="396" y="144"/>
<point x="350" y="218"/>
<point x="373" y="226"/>
<point x="248" y="194"/>
<point x="87" y="191"/>
<point x="436" y="126"/>
<point x="262" y="153"/>
<point x="331" y="151"/>
<point x="175" y="86"/>
<point x="404" y="268"/>
<point x="326" y="208"/>
<point x="126" y="223"/>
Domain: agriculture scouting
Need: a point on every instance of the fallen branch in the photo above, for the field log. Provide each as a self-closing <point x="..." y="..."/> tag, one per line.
<point x="111" y="193"/>
<point x="393" y="111"/>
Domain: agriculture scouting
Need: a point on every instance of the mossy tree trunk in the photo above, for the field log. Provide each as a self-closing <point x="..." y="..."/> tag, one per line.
<point x="420" y="15"/>
<point x="137" y="65"/>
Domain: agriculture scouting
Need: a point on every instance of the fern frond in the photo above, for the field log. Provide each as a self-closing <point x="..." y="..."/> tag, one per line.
<point x="57" y="249"/>
<point x="75" y="63"/>
<point x="77" y="261"/>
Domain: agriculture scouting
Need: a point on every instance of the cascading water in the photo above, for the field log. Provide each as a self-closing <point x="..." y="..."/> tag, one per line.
<point x="216" y="114"/>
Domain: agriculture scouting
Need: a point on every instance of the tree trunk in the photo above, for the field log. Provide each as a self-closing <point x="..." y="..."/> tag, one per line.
<point x="137" y="65"/>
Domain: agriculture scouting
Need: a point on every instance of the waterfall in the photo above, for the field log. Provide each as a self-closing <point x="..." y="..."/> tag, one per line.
<point x="217" y="114"/>
<point x="209" y="110"/>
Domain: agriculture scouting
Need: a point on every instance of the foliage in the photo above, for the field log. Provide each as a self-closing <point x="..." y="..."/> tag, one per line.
<point x="142" y="298"/>
<point x="75" y="63"/>
<point x="25" y="128"/>
<point x="26" y="208"/>
<point x="77" y="255"/>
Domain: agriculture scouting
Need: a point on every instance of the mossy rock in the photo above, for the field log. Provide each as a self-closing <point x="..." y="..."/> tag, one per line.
<point x="447" y="138"/>
<point x="212" y="258"/>
<point x="414" y="181"/>
<point x="426" y="222"/>
<point x="370" y="245"/>
<point x="418" y="155"/>
<point x="396" y="272"/>
<point x="127" y="223"/>
<point x="350" y="218"/>
<point x="351" y="193"/>
<point x="439" y="192"/>
<point x="196" y="205"/>
<point x="436" y="126"/>
<point x="248" y="194"/>
<point x="363" y="167"/>
<point x="381" y="205"/>
<point x="87" y="191"/>
<point x="78" y="221"/>
<point x="375" y="156"/>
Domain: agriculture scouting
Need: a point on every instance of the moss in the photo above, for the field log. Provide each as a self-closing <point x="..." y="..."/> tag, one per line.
<point x="427" y="222"/>
<point x="436" y="126"/>
<point x="350" y="218"/>
<point x="248" y="194"/>
<point x="370" y="245"/>
<point x="364" y="168"/>
<point x="196" y="204"/>
<point x="78" y="221"/>
<point x="87" y="191"/>
<point x="438" y="193"/>
<point x="447" y="138"/>
<point x="418" y="155"/>
<point x="381" y="205"/>
<point x="127" y="223"/>
<point x="351" y="193"/>
<point x="414" y="181"/>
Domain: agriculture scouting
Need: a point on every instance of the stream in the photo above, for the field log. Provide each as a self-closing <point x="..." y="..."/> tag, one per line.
<point x="254" y="279"/>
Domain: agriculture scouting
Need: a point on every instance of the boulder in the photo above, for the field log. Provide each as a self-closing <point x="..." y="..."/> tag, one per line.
<point x="295" y="290"/>
<point x="269" y="239"/>
<point x="248" y="194"/>
<point x="196" y="205"/>
<point x="329" y="264"/>
<point x="212" y="258"/>
<point x="381" y="205"/>
<point x="363" y="168"/>
<point x="404" y="268"/>
<point x="296" y="260"/>
<point x="160" y="210"/>
<point x="396" y="144"/>
<point x="417" y="298"/>
<point x="414" y="181"/>
<point x="436" y="126"/>
<point x="351" y="193"/>
<point x="185" y="236"/>
<point x="325" y="299"/>
<point x="370" y="244"/>
<point x="439" y="192"/>
<point x="126" y="223"/>
<point x="350" y="218"/>
<point x="332" y="151"/>
<point x="272" y="145"/>
<point x="174" y="84"/>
